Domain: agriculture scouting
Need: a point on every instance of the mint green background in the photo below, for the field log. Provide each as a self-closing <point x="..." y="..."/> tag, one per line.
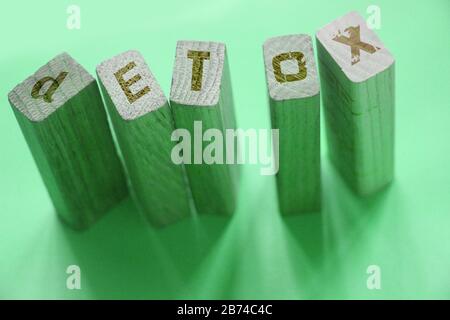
<point x="256" y="253"/>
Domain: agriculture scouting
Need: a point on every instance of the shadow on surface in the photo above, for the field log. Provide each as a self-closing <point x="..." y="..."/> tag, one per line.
<point x="350" y="225"/>
<point x="307" y="230"/>
<point x="123" y="257"/>
<point x="345" y="214"/>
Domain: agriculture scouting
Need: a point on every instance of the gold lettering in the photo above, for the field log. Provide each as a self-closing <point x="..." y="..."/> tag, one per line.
<point x="355" y="43"/>
<point x="280" y="76"/>
<point x="197" y="68"/>
<point x="47" y="96"/>
<point x="126" y="84"/>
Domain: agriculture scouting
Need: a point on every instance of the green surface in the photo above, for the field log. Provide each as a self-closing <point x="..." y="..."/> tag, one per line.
<point x="255" y="253"/>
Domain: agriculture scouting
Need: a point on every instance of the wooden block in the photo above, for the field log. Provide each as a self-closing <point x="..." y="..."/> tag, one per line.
<point x="357" y="77"/>
<point x="143" y="125"/>
<point x="201" y="91"/>
<point x="62" y="117"/>
<point x="294" y="98"/>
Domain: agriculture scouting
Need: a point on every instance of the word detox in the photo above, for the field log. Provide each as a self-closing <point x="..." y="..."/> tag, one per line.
<point x="170" y="151"/>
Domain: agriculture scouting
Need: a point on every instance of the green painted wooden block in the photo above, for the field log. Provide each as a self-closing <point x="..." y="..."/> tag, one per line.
<point x="143" y="125"/>
<point x="201" y="99"/>
<point x="357" y="78"/>
<point x="294" y="97"/>
<point x="61" y="114"/>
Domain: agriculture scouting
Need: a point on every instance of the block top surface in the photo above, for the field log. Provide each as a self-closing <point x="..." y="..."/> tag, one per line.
<point x="197" y="73"/>
<point x="357" y="50"/>
<point x="131" y="85"/>
<point x="291" y="71"/>
<point x="41" y="94"/>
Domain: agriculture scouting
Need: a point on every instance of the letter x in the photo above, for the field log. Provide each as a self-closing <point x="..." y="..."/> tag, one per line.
<point x="355" y="43"/>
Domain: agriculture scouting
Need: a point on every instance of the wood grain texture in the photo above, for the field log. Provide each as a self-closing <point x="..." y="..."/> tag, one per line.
<point x="214" y="186"/>
<point x="358" y="89"/>
<point x="294" y="98"/>
<point x="143" y="127"/>
<point x="68" y="134"/>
